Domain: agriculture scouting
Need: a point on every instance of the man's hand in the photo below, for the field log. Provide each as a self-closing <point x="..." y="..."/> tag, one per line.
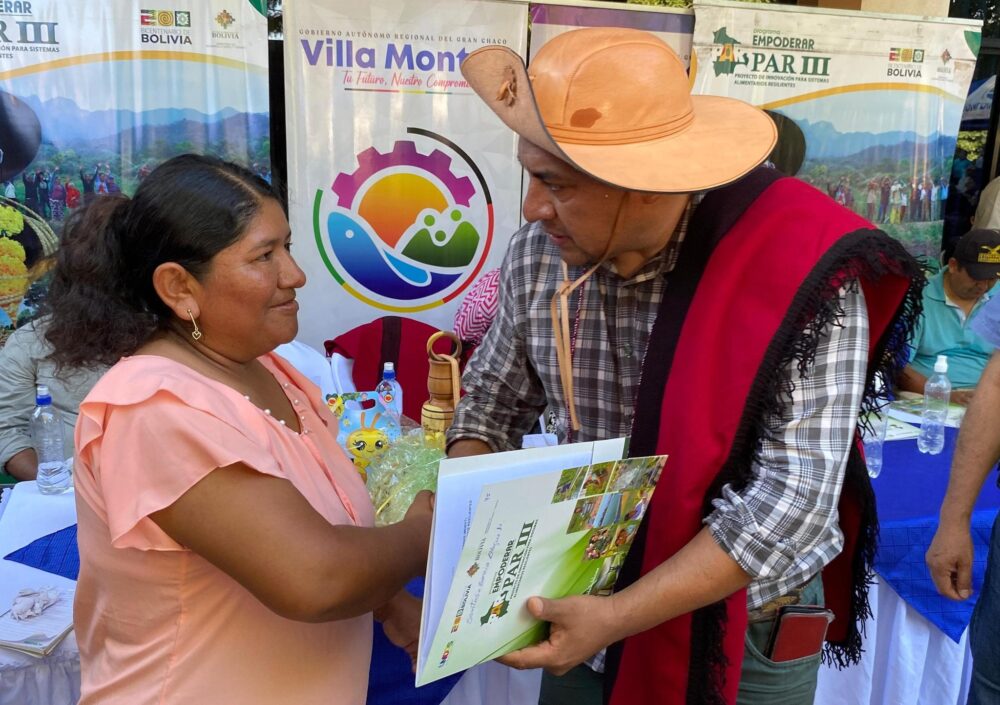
<point x="23" y="465"/>
<point x="949" y="559"/>
<point x="962" y="396"/>
<point x="401" y="623"/>
<point x="468" y="446"/>
<point x="579" y="628"/>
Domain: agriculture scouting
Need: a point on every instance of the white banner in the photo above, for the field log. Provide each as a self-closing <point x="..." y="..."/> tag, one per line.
<point x="673" y="26"/>
<point x="403" y="185"/>
<point x="94" y="94"/>
<point x="868" y="106"/>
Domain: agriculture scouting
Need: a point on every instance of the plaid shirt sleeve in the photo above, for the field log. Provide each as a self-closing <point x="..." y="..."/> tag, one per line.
<point x="504" y="396"/>
<point x="782" y="528"/>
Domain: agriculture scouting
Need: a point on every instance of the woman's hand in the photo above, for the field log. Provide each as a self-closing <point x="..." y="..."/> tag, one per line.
<point x="400" y="619"/>
<point x="422" y="506"/>
<point x="418" y="518"/>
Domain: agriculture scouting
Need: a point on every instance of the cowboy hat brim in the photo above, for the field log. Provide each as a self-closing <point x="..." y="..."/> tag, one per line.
<point x="725" y="140"/>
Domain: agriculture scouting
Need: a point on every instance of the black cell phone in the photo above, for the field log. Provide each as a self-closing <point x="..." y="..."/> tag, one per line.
<point x="798" y="632"/>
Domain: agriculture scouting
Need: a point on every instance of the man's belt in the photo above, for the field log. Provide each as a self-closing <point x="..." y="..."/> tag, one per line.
<point x="769" y="610"/>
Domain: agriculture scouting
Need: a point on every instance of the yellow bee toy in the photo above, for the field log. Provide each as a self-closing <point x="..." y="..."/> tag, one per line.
<point x="366" y="444"/>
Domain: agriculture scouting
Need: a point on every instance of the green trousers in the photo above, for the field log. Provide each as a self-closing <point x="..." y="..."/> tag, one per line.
<point x="762" y="681"/>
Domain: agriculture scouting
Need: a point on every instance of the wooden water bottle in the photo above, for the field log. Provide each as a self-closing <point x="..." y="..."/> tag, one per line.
<point x="444" y="385"/>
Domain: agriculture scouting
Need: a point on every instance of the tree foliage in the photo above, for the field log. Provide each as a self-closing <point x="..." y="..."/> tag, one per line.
<point x="986" y="10"/>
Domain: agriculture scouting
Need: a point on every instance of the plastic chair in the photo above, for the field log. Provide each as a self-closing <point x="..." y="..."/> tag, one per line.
<point x="311" y="363"/>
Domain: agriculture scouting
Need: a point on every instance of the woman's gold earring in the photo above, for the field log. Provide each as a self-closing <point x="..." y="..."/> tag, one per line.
<point x="196" y="334"/>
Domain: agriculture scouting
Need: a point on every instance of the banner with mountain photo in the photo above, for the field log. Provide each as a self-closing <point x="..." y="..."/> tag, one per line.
<point x="868" y="106"/>
<point x="95" y="95"/>
<point x="403" y="185"/>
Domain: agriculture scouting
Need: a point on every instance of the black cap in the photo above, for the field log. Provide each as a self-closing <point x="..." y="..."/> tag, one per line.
<point x="978" y="252"/>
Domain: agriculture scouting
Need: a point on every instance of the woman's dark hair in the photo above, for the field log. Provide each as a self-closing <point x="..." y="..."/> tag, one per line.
<point x="101" y="302"/>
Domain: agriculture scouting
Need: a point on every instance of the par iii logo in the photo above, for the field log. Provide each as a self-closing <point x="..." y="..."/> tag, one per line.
<point x="497" y="610"/>
<point x="408" y="229"/>
<point x="763" y="58"/>
<point x="726" y="62"/>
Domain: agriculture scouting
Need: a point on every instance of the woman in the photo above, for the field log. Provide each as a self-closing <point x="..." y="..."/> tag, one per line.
<point x="72" y="194"/>
<point x="227" y="554"/>
<point x="57" y="199"/>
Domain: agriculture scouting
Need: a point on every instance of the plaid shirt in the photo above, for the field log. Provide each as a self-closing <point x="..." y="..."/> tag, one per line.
<point x="782" y="528"/>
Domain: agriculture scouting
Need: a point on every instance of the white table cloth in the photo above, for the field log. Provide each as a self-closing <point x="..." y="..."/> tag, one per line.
<point x="907" y="661"/>
<point x="25" y="680"/>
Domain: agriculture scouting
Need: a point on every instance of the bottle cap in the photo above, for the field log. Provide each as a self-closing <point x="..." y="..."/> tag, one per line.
<point x="42" y="394"/>
<point x="389" y="371"/>
<point x="941" y="365"/>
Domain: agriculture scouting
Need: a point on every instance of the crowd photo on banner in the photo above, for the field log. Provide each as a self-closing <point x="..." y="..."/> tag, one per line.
<point x="499" y="352"/>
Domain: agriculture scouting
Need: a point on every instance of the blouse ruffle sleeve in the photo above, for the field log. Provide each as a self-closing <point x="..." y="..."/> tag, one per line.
<point x="143" y="455"/>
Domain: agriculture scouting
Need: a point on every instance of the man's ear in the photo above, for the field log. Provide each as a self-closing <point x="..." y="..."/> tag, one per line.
<point x="178" y="289"/>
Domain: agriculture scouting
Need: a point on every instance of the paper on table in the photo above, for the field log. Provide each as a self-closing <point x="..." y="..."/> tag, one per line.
<point x="897" y="430"/>
<point x="910" y="410"/>
<point x="38" y="636"/>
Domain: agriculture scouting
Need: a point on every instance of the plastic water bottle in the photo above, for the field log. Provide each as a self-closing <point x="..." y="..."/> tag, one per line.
<point x="391" y="395"/>
<point x="54" y="476"/>
<point x="937" y="392"/>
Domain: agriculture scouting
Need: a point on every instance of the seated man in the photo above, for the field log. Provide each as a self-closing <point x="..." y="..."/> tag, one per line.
<point x="24" y="364"/>
<point x="952" y="299"/>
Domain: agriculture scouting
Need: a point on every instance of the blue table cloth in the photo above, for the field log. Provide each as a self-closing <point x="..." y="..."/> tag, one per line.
<point x="909" y="493"/>
<point x="54" y="553"/>
<point x="390" y="679"/>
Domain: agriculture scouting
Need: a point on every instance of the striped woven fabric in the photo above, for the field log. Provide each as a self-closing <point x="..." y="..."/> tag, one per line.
<point x="478" y="309"/>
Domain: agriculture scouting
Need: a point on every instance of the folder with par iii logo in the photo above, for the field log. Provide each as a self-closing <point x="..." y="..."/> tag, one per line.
<point x="552" y="522"/>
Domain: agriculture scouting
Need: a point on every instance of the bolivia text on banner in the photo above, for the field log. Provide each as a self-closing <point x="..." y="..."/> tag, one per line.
<point x="868" y="106"/>
<point x="95" y="94"/>
<point x="403" y="186"/>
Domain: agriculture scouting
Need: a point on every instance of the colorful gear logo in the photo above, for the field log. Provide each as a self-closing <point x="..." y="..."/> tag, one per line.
<point x="403" y="228"/>
<point x="371" y="161"/>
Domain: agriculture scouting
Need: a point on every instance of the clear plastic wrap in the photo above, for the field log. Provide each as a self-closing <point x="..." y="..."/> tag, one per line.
<point x="408" y="466"/>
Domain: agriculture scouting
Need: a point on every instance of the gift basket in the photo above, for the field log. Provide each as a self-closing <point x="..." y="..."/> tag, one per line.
<point x="410" y="464"/>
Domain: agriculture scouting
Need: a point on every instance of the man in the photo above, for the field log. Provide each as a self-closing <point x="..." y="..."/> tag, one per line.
<point x="950" y="555"/>
<point x="988" y="210"/>
<point x="952" y="299"/>
<point x="745" y="313"/>
<point x="24" y="364"/>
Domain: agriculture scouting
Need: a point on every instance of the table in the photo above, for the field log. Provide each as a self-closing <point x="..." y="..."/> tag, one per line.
<point x="916" y="652"/>
<point x="907" y="660"/>
<point x="26" y="515"/>
<point x="24" y="680"/>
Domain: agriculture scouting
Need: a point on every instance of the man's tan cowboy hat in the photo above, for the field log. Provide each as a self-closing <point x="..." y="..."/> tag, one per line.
<point x="616" y="104"/>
